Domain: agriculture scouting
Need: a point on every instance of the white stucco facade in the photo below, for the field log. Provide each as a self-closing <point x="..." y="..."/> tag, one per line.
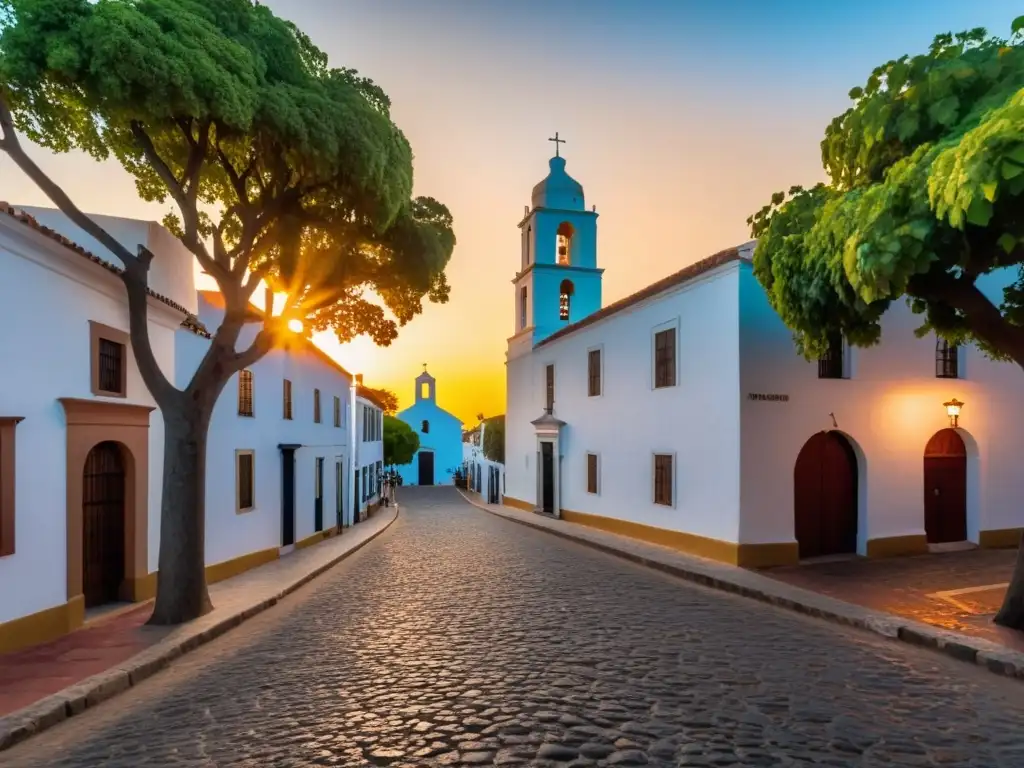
<point x="741" y="407"/>
<point x="368" y="419"/>
<point x="281" y="473"/>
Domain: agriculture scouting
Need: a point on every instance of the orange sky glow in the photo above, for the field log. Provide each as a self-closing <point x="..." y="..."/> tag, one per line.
<point x="676" y="142"/>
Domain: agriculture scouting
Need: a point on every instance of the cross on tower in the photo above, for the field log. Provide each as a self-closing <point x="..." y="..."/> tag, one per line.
<point x="424" y="367"/>
<point x="557" y="142"/>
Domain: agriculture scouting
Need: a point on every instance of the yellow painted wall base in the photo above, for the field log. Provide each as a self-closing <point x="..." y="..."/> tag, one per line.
<point x="744" y="555"/>
<point x="59" y="620"/>
<point x="316" y="538"/>
<point x="517" y="504"/>
<point x="43" y="626"/>
<point x="897" y="546"/>
<point x="1002" y="538"/>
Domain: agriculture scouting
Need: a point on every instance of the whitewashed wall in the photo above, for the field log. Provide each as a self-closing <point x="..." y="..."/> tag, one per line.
<point x="368" y="452"/>
<point x="631" y="420"/>
<point x="48" y="295"/>
<point x="889" y="408"/>
<point x="230" y="534"/>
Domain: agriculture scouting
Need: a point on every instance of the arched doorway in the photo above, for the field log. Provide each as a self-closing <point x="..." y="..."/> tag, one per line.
<point x="825" y="496"/>
<point x="945" y="488"/>
<point x="103" y="524"/>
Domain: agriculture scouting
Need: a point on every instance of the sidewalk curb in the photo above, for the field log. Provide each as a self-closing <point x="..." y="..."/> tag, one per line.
<point x="992" y="656"/>
<point x="25" y="723"/>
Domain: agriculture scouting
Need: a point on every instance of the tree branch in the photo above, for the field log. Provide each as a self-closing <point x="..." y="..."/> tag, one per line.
<point x="134" y="279"/>
<point x="261" y="345"/>
<point x="983" y="317"/>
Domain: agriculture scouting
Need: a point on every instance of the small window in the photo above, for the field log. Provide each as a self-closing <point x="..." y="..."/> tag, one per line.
<point x="109" y="348"/>
<point x="425" y="427"/>
<point x="665" y="358"/>
<point x="663" y="479"/>
<point x="591" y="473"/>
<point x="337" y="411"/>
<point x="831" y="365"/>
<point x="549" y="388"/>
<point x="947" y="362"/>
<point x="245" y="480"/>
<point x="316" y="406"/>
<point x="7" y="501"/>
<point x="565" y="291"/>
<point x="287" y="395"/>
<point x="522" y="308"/>
<point x="594" y="373"/>
<point x="245" y="406"/>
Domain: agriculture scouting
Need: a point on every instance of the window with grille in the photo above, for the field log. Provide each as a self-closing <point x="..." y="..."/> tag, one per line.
<point x="245" y="475"/>
<point x="594" y="372"/>
<point x="663" y="479"/>
<point x="831" y="364"/>
<point x="287" y="395"/>
<point x="337" y="411"/>
<point x="111" y="367"/>
<point x="245" y="393"/>
<point x="591" y="473"/>
<point x="947" y="363"/>
<point x="665" y="358"/>
<point x="316" y="406"/>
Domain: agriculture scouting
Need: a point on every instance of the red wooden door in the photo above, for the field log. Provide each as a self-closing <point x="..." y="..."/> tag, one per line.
<point x="825" y="496"/>
<point x="945" y="488"/>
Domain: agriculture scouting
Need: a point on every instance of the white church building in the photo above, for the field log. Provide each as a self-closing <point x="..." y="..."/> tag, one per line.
<point x="682" y="414"/>
<point x="81" y="440"/>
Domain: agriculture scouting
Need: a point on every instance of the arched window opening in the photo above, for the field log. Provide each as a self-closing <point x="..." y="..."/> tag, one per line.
<point x="526" y="249"/>
<point x="426" y="427"/>
<point x="564" y="242"/>
<point x="564" y="298"/>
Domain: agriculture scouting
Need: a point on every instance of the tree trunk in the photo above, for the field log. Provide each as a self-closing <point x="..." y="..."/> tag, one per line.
<point x="181" y="593"/>
<point x="1011" y="615"/>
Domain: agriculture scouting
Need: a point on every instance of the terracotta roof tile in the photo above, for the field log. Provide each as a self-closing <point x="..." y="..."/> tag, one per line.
<point x="369" y="394"/>
<point x="678" y="278"/>
<point x="190" y="323"/>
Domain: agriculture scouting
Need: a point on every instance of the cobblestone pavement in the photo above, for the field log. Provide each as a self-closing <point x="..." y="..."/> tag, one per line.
<point x="458" y="638"/>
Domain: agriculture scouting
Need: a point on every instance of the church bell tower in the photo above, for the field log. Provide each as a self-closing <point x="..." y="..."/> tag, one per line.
<point x="559" y="282"/>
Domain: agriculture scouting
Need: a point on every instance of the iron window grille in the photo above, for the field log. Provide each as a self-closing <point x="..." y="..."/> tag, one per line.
<point x="594" y="373"/>
<point x="830" y="365"/>
<point x="111" y="366"/>
<point x="665" y="358"/>
<point x="245" y="393"/>
<point x="663" y="479"/>
<point x="947" y="362"/>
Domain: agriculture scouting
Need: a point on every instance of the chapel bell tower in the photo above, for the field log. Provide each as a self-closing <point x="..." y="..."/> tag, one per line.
<point x="558" y="283"/>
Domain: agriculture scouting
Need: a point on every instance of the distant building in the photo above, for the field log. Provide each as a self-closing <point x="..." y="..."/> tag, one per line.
<point x="440" y="434"/>
<point x="683" y="415"/>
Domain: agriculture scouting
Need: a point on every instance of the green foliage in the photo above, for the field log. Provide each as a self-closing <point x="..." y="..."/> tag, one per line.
<point x="400" y="442"/>
<point x="494" y="439"/>
<point x="387" y="398"/>
<point x="291" y="170"/>
<point x="926" y="177"/>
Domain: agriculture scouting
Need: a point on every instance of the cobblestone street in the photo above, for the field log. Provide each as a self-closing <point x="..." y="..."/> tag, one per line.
<point x="458" y="638"/>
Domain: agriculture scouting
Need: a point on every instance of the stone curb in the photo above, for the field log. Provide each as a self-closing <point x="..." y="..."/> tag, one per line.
<point x="46" y="713"/>
<point x="993" y="656"/>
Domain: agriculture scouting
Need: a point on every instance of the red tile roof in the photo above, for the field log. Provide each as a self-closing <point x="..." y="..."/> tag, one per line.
<point x="191" y="322"/>
<point x="369" y="394"/>
<point x="678" y="278"/>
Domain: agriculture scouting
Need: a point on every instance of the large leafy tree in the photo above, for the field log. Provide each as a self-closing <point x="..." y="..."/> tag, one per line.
<point x="282" y="172"/>
<point x="494" y="438"/>
<point x="387" y="399"/>
<point x="400" y="442"/>
<point x="926" y="177"/>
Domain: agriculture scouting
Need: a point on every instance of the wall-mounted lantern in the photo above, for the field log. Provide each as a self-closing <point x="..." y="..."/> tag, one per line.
<point x="953" y="408"/>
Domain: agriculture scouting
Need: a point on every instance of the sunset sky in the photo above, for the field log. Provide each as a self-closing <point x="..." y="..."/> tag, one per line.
<point x="681" y="117"/>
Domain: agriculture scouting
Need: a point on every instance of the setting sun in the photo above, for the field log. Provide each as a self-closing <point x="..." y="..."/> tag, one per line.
<point x="295" y="325"/>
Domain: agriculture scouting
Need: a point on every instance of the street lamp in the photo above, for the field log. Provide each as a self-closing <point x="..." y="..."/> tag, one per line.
<point x="953" y="408"/>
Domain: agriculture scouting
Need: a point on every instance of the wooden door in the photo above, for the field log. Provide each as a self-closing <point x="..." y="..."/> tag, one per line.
<point x="103" y="535"/>
<point x="547" y="468"/>
<point x="287" y="496"/>
<point x="318" y="496"/>
<point x="825" y="496"/>
<point x="945" y="488"/>
<point x="339" y="496"/>
<point x="426" y="468"/>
